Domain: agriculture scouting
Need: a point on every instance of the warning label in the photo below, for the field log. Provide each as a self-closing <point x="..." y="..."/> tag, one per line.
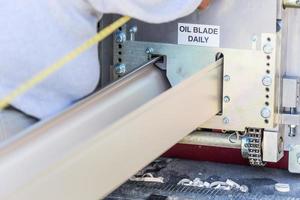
<point x="199" y="34"/>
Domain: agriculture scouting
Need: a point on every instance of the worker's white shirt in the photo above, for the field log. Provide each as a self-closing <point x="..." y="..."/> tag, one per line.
<point x="35" y="33"/>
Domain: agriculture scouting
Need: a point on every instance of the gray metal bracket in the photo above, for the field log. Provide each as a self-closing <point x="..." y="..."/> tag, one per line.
<point x="248" y="73"/>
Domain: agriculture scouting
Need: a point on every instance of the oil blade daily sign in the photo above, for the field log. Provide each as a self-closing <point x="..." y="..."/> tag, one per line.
<point x="199" y="35"/>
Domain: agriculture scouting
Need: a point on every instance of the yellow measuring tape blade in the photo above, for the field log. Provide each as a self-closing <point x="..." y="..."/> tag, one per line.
<point x="42" y="75"/>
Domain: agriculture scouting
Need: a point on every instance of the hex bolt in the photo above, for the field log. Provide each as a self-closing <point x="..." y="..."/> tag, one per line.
<point x="226" y="120"/>
<point x="226" y="99"/>
<point x="265" y="113"/>
<point x="268" y="49"/>
<point x="292" y="130"/>
<point x="292" y="127"/>
<point x="149" y="50"/>
<point x="133" y="30"/>
<point x="120" y="69"/>
<point x="120" y="37"/>
<point x="267" y="81"/>
<point x="226" y="78"/>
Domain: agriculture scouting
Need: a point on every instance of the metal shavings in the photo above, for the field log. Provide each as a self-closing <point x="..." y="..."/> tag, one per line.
<point x="148" y="177"/>
<point x="218" y="185"/>
<point x="282" y="187"/>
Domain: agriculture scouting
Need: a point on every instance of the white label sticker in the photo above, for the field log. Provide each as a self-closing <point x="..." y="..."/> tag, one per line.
<point x="199" y="34"/>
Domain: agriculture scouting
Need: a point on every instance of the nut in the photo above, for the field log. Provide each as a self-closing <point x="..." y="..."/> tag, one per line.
<point x="120" y="37"/>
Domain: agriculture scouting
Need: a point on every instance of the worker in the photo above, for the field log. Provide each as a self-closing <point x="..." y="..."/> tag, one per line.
<point x="36" y="33"/>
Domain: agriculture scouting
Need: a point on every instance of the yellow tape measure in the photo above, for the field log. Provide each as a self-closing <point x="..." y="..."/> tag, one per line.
<point x="42" y="75"/>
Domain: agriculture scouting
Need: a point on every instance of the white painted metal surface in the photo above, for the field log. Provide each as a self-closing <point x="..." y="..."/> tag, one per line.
<point x="247" y="95"/>
<point x="36" y="150"/>
<point x="273" y="147"/>
<point x="58" y="161"/>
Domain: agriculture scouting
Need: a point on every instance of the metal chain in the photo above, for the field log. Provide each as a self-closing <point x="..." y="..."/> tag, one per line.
<point x="254" y="146"/>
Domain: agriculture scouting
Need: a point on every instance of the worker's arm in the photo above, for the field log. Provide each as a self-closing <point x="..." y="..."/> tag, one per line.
<point x="154" y="11"/>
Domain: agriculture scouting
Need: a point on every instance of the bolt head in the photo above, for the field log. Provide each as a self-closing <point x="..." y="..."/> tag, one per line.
<point x="120" y="37"/>
<point x="226" y="99"/>
<point x="149" y="50"/>
<point x="267" y="81"/>
<point x="120" y="69"/>
<point x="226" y="120"/>
<point x="133" y="29"/>
<point x="298" y="160"/>
<point x="265" y="113"/>
<point x="226" y="78"/>
<point x="268" y="49"/>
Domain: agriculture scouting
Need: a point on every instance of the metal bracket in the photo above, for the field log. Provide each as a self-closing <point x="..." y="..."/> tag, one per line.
<point x="290" y="92"/>
<point x="273" y="146"/>
<point x="290" y="119"/>
<point x="249" y="77"/>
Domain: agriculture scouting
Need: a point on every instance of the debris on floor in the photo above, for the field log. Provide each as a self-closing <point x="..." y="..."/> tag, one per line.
<point x="176" y="179"/>
<point x="228" y="185"/>
<point x="282" y="187"/>
<point x="148" y="177"/>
